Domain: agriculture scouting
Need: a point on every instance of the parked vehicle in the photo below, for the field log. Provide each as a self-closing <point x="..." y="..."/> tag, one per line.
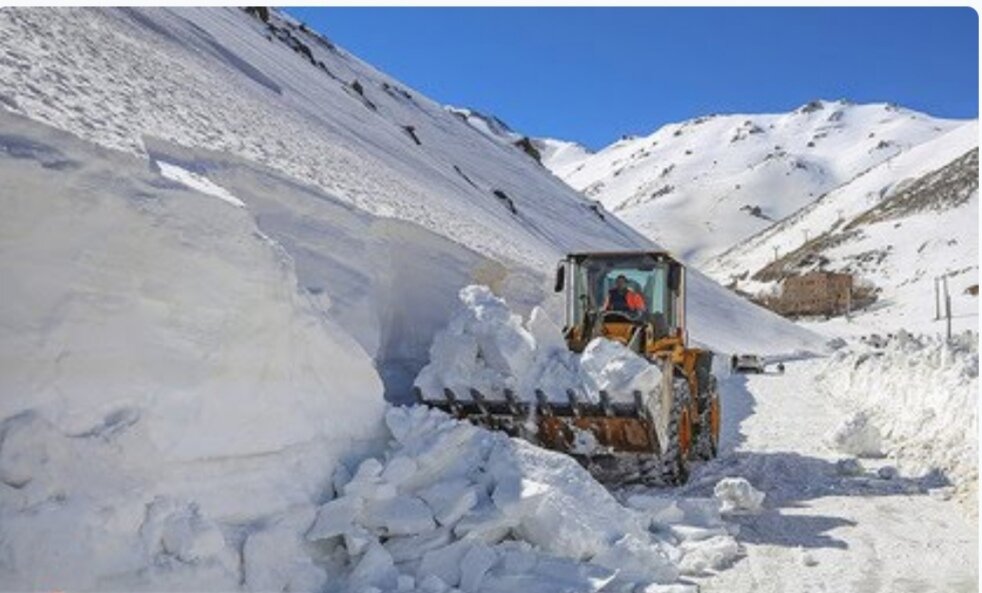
<point x="747" y="363"/>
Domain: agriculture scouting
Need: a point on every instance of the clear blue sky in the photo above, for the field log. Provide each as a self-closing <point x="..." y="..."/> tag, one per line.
<point x="594" y="74"/>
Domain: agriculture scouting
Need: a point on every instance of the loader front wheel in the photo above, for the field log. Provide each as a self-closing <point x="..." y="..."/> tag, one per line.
<point x="675" y="458"/>
<point x="707" y="441"/>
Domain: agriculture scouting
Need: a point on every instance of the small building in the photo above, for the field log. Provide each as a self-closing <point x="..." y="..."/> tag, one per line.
<point x="816" y="293"/>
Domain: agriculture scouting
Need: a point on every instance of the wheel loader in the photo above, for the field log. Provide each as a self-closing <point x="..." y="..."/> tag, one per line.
<point x="653" y="437"/>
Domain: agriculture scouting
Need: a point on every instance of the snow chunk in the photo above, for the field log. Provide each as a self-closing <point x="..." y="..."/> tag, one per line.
<point x="402" y="515"/>
<point x="610" y="366"/>
<point x="806" y="557"/>
<point x="475" y="565"/>
<point x="736" y="494"/>
<point x="336" y="517"/>
<point x="716" y="553"/>
<point x="486" y="347"/>
<point x="375" y="569"/>
<point x="450" y="500"/>
<point x="858" y="436"/>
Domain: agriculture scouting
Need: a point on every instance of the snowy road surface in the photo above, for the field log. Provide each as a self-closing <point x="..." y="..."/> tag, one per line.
<point x="821" y="530"/>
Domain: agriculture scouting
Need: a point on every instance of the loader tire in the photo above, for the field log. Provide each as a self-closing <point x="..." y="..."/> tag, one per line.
<point x="675" y="458"/>
<point x="707" y="440"/>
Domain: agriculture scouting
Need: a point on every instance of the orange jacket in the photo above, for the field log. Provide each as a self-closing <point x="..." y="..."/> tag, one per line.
<point x="635" y="302"/>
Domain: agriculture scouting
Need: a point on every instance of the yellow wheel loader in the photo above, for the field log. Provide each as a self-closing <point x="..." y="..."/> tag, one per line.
<point x="651" y="438"/>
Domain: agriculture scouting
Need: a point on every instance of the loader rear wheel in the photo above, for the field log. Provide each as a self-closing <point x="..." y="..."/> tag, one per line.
<point x="675" y="458"/>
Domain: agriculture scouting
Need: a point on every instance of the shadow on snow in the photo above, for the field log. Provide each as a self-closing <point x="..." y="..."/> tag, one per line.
<point x="789" y="480"/>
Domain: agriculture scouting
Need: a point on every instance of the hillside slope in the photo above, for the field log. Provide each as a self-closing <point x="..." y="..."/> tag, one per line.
<point x="896" y="228"/>
<point x="700" y="186"/>
<point x="155" y="83"/>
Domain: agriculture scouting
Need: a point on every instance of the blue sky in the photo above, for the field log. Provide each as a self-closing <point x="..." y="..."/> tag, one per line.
<point x="594" y="74"/>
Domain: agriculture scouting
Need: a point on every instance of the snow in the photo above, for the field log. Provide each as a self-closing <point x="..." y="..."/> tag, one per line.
<point x="509" y="514"/>
<point x="196" y="391"/>
<point x="914" y="399"/>
<point x="736" y="494"/>
<point x="608" y="366"/>
<point x="559" y="155"/>
<point x="487" y="347"/>
<point x="900" y="256"/>
<point x="489" y="125"/>
<point x="197" y="182"/>
<point x="858" y="435"/>
<point x="162" y="378"/>
<point x="700" y="186"/>
<point x="820" y="528"/>
<point x="383" y="231"/>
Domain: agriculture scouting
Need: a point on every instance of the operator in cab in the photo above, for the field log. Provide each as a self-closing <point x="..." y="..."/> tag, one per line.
<point x="622" y="298"/>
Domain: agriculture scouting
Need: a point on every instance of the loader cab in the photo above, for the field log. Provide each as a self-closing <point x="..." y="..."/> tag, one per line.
<point x="588" y="278"/>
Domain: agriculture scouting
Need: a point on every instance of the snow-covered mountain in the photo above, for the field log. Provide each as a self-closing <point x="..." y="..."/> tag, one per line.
<point x="896" y="228"/>
<point x="225" y="241"/>
<point x="700" y="186"/>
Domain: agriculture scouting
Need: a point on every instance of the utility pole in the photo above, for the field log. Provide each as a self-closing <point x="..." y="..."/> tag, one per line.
<point x="937" y="299"/>
<point x="947" y="306"/>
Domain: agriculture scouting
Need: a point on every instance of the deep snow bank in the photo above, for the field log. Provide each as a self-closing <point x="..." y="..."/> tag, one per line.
<point x="919" y="395"/>
<point x="164" y="383"/>
<point x="487" y="347"/>
<point x="451" y="505"/>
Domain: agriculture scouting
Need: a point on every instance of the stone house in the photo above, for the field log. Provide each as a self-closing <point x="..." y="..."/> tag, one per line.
<point x="816" y="293"/>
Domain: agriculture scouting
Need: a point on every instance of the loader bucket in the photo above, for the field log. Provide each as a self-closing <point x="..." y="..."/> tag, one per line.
<point x="613" y="439"/>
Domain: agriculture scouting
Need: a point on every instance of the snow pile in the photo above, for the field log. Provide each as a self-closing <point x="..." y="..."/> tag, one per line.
<point x="609" y="366"/>
<point x="858" y="435"/>
<point x="696" y="527"/>
<point x="488" y="348"/>
<point x="737" y="495"/>
<point x="485" y="346"/>
<point x="920" y="394"/>
<point x="454" y="506"/>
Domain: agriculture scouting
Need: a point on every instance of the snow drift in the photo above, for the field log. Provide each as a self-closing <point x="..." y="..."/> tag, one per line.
<point x="921" y="394"/>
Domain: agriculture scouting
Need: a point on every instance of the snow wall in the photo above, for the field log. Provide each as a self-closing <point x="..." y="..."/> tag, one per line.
<point x="157" y="363"/>
<point x="914" y="398"/>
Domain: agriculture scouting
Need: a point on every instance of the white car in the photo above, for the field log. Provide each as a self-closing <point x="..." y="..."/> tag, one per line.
<point x="747" y="363"/>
